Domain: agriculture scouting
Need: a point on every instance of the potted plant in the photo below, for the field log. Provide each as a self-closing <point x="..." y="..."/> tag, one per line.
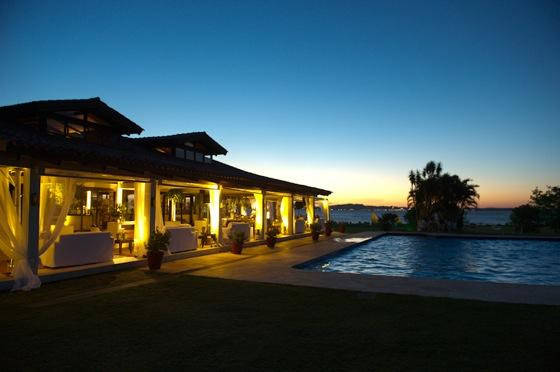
<point x="328" y="228"/>
<point x="123" y="214"/>
<point x="388" y="221"/>
<point x="271" y="237"/>
<point x="157" y="244"/>
<point x="115" y="214"/>
<point x="342" y="228"/>
<point x="237" y="239"/>
<point x="315" y="231"/>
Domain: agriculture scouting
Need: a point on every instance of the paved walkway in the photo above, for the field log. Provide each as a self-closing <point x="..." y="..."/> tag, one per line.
<point x="261" y="264"/>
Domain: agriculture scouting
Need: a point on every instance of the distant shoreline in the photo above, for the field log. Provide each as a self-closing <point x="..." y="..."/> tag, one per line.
<point x="354" y="207"/>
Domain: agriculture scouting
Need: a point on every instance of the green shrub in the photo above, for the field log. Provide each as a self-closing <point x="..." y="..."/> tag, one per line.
<point x="525" y="218"/>
<point x="548" y="203"/>
<point x="410" y="217"/>
<point x="158" y="241"/>
<point x="237" y="237"/>
<point x="272" y="232"/>
<point x="388" y="221"/>
<point x="315" y="227"/>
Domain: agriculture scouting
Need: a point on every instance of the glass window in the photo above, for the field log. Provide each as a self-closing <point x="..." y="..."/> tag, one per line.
<point x="180" y="153"/>
<point x="128" y="202"/>
<point x="199" y="157"/>
<point x="190" y="155"/>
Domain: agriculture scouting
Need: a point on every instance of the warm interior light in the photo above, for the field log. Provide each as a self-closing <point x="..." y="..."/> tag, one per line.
<point x="258" y="211"/>
<point x="326" y="211"/>
<point x="88" y="200"/>
<point x="285" y="211"/>
<point x="310" y="206"/>
<point x="214" y="208"/>
<point x="119" y="193"/>
<point x="141" y="214"/>
<point x="173" y="211"/>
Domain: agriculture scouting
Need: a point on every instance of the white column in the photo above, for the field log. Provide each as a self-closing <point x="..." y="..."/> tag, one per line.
<point x="259" y="214"/>
<point x="264" y="219"/>
<point x="326" y="211"/>
<point x="154" y="190"/>
<point x="33" y="218"/>
<point x="141" y="216"/>
<point x="291" y="215"/>
<point x="287" y="214"/>
<point x="119" y="193"/>
<point x="310" y="206"/>
<point x="215" y="212"/>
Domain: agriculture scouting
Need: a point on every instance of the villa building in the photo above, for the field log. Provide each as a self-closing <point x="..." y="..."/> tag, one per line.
<point x="77" y="190"/>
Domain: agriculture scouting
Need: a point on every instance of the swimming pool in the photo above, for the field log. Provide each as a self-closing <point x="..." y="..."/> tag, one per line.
<point x="493" y="260"/>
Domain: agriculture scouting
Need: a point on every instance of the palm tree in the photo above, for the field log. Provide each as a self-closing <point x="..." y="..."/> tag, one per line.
<point x="440" y="200"/>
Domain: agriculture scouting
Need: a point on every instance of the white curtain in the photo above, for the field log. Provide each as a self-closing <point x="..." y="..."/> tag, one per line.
<point x="310" y="206"/>
<point x="13" y="242"/>
<point x="57" y="195"/>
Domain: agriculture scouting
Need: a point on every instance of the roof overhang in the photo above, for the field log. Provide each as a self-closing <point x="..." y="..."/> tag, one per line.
<point x="199" y="140"/>
<point x="95" y="106"/>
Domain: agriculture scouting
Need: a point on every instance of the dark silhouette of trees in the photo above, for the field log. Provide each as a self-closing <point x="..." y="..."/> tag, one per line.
<point x="542" y="210"/>
<point x="388" y="221"/>
<point x="439" y="200"/>
<point x="525" y="218"/>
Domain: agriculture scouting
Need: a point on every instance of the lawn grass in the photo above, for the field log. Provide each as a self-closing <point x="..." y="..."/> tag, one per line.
<point x="182" y="321"/>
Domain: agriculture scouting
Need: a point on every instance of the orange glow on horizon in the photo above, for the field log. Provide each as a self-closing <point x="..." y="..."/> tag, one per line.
<point x="388" y="188"/>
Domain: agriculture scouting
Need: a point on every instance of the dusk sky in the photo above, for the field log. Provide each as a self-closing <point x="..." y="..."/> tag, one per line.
<point x="344" y="95"/>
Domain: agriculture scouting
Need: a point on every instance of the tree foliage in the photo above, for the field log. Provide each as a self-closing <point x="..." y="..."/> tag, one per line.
<point x="525" y="218"/>
<point x="542" y="210"/>
<point x="388" y="221"/>
<point x="548" y="203"/>
<point x="440" y="199"/>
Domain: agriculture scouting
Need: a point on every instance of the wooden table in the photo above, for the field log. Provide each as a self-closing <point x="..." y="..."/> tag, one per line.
<point x="120" y="242"/>
<point x="204" y="239"/>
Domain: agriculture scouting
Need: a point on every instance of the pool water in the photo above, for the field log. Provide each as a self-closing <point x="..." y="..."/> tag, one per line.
<point x="493" y="260"/>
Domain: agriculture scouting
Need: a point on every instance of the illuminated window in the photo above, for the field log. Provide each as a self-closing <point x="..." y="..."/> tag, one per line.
<point x="55" y="127"/>
<point x="74" y="130"/>
<point x="68" y="130"/>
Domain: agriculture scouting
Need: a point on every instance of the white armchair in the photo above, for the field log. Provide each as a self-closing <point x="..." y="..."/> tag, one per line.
<point x="235" y="227"/>
<point x="300" y="227"/>
<point x="79" y="249"/>
<point x="113" y="229"/>
<point x="182" y="238"/>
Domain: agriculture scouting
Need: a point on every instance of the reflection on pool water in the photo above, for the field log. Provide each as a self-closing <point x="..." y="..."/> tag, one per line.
<point x="493" y="260"/>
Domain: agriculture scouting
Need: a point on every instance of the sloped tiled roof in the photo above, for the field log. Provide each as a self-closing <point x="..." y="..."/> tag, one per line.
<point x="127" y="155"/>
<point x="212" y="147"/>
<point x="92" y="105"/>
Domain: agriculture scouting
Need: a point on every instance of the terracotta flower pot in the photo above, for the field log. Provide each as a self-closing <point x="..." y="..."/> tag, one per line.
<point x="342" y="228"/>
<point x="154" y="259"/>
<point x="328" y="231"/>
<point x="236" y="248"/>
<point x="270" y="242"/>
<point x="315" y="236"/>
